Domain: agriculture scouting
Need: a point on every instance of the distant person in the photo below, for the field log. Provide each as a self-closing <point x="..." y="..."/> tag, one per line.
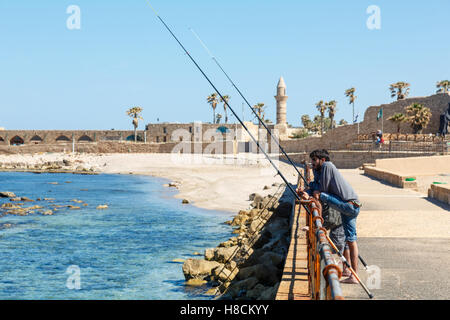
<point x="331" y="187"/>
<point x="379" y="139"/>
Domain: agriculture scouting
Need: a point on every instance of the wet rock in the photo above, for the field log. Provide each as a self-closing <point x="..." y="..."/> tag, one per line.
<point x="73" y="207"/>
<point x="47" y="213"/>
<point x="178" y="260"/>
<point x="7" y="194"/>
<point x="195" y="282"/>
<point x="102" y="207"/>
<point x="198" y="268"/>
<point x="185" y="201"/>
<point x="25" y="199"/>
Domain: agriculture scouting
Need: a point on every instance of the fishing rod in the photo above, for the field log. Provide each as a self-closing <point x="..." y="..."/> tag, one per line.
<point x="296" y="195"/>
<point x="249" y="105"/>
<point x="349" y="267"/>
<point x="231" y="109"/>
<point x="256" y="114"/>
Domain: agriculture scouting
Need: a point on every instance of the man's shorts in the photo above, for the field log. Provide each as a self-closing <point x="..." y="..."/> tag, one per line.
<point x="349" y="213"/>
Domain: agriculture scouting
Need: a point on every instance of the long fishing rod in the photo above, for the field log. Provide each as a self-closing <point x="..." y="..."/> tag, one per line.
<point x="296" y="195"/>
<point x="249" y="105"/>
<point x="231" y="109"/>
<point x="255" y="113"/>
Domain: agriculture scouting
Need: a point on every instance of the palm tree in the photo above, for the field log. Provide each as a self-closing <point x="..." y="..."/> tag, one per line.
<point x="443" y="86"/>
<point x="399" y="90"/>
<point x="135" y="113"/>
<point x="225" y="102"/>
<point x="212" y="100"/>
<point x="332" y="108"/>
<point x="306" y="121"/>
<point x="218" y="118"/>
<point x="321" y="106"/>
<point x="418" y="116"/>
<point x="259" y="109"/>
<point x="398" y="118"/>
<point x="350" y="94"/>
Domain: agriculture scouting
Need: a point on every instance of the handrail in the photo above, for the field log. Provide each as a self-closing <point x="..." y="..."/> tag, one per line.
<point x="323" y="273"/>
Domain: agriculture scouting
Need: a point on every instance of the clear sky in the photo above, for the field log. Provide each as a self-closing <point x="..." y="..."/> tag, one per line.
<point x="52" y="77"/>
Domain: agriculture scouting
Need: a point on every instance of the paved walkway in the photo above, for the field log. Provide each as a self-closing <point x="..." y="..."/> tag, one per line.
<point x="407" y="236"/>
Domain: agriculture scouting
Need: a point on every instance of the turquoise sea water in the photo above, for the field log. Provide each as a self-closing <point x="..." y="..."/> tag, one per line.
<point x="124" y="252"/>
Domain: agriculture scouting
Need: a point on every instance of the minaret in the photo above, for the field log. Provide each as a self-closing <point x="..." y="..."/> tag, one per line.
<point x="281" y="98"/>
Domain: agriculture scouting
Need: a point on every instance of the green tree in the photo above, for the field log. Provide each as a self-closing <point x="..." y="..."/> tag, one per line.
<point x="343" y="122"/>
<point x="418" y="116"/>
<point x="398" y="119"/>
<point x="321" y="107"/>
<point x="225" y="100"/>
<point x="259" y="109"/>
<point x="213" y="101"/>
<point x="135" y="113"/>
<point x="306" y="121"/>
<point x="443" y="86"/>
<point x="399" y="90"/>
<point x="332" y="108"/>
<point x="350" y="94"/>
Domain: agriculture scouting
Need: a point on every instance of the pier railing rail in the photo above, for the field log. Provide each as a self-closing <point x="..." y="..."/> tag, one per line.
<point x="323" y="272"/>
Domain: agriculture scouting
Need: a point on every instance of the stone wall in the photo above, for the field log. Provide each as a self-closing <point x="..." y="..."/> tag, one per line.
<point x="355" y="159"/>
<point x="438" y="104"/>
<point x="52" y="137"/>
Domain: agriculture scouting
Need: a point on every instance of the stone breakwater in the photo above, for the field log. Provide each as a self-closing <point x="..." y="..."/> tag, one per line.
<point x="249" y="265"/>
<point x="42" y="166"/>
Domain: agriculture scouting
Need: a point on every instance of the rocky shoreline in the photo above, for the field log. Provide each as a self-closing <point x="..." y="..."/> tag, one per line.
<point x="63" y="166"/>
<point x="249" y="265"/>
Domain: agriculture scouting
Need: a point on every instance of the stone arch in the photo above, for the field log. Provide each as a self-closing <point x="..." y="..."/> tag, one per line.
<point x="85" y="138"/>
<point x="36" y="139"/>
<point x="16" y="141"/>
<point x="63" y="138"/>
<point x="131" y="138"/>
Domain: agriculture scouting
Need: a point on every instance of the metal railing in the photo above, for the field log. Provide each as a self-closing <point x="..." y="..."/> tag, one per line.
<point x="323" y="273"/>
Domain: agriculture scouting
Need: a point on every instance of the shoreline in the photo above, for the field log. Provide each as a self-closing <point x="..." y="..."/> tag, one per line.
<point x="217" y="183"/>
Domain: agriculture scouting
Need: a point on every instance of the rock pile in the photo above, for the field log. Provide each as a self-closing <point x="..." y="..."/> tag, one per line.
<point x="76" y="166"/>
<point x="249" y="265"/>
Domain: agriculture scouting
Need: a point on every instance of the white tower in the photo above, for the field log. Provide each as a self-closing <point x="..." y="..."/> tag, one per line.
<point x="281" y="98"/>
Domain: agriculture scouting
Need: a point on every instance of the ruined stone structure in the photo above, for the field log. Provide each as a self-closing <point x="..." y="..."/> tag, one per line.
<point x="281" y="99"/>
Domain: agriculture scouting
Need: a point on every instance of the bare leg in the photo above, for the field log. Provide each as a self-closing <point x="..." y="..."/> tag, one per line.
<point x="353" y="260"/>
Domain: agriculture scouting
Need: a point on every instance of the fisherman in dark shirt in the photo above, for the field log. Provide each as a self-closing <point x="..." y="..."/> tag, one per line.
<point x="332" y="188"/>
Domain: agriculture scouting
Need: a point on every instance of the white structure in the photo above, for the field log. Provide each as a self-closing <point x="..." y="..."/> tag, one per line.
<point x="281" y="98"/>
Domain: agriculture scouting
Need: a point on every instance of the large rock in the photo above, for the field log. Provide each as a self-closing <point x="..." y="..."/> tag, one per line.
<point x="266" y="274"/>
<point x="209" y="254"/>
<point x="223" y="274"/>
<point x="256" y="291"/>
<point x="240" y="288"/>
<point x="269" y="293"/>
<point x="223" y="254"/>
<point x="7" y="194"/>
<point x="198" y="268"/>
<point x="272" y="258"/>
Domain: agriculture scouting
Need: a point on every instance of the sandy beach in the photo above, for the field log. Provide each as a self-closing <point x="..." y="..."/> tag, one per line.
<point x="208" y="182"/>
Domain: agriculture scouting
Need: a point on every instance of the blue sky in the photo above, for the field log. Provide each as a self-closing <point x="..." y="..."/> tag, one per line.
<point x="55" y="78"/>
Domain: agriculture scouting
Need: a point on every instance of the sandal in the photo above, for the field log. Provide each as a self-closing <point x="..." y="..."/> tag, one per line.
<point x="349" y="280"/>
